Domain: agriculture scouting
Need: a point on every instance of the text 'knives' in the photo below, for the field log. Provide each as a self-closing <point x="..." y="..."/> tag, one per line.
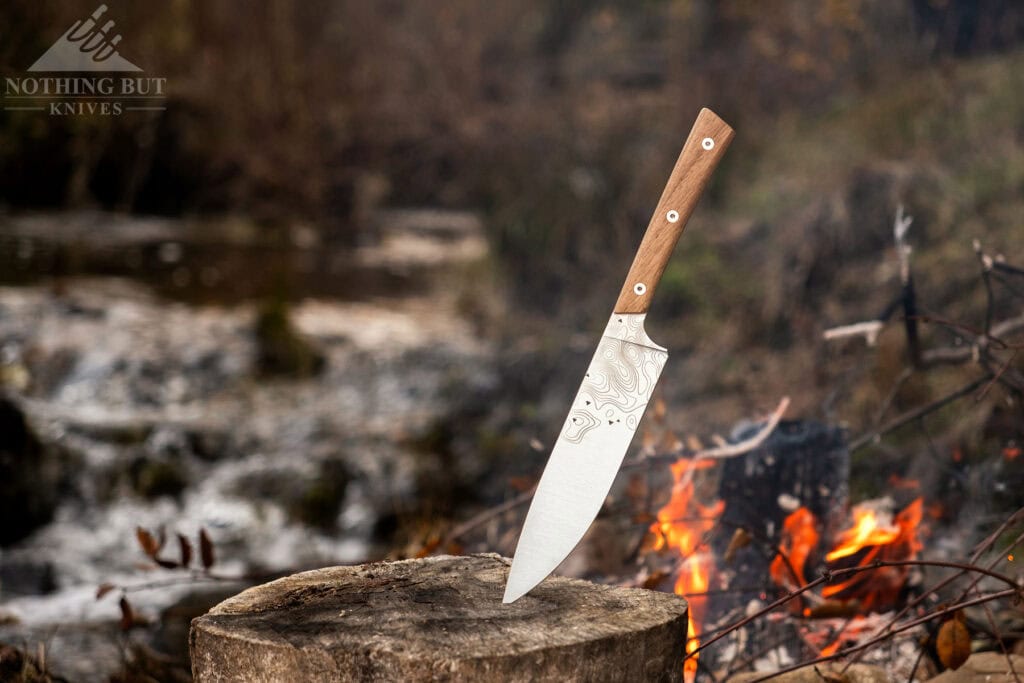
<point x="618" y="383"/>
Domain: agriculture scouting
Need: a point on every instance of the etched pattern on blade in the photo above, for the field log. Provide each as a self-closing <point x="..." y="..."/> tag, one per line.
<point x="616" y="388"/>
<point x="583" y="464"/>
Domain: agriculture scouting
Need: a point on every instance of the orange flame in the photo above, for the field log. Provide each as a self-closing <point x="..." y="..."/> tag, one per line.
<point x="883" y="541"/>
<point x="799" y="538"/>
<point x="681" y="525"/>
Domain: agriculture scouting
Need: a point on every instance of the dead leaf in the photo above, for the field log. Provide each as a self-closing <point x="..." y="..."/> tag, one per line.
<point x="149" y="545"/>
<point x="522" y="484"/>
<point x="205" y="549"/>
<point x="654" y="580"/>
<point x="127" y="614"/>
<point x="670" y="443"/>
<point x="103" y="589"/>
<point x="953" y="644"/>
<point x="428" y="547"/>
<point x="740" y="539"/>
<point x="185" y="546"/>
<point x="659" y="410"/>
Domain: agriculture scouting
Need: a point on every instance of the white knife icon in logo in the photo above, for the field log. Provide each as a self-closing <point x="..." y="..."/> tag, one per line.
<point x="619" y="382"/>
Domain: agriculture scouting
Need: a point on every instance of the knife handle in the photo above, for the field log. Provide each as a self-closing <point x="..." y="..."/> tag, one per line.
<point x="704" y="148"/>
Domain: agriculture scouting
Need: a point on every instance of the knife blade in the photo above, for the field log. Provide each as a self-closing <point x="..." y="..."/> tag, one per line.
<point x="619" y="380"/>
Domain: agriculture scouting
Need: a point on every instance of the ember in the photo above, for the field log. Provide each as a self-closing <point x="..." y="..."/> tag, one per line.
<point x="872" y="537"/>
<point x="799" y="539"/>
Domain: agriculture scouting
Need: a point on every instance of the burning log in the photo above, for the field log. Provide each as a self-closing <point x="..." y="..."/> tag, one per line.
<point x="438" y="618"/>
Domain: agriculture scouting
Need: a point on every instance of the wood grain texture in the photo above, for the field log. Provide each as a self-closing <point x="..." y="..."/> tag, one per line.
<point x="438" y="619"/>
<point x="692" y="171"/>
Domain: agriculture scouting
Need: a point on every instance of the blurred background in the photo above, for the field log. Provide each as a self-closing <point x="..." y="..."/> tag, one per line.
<point x="332" y="296"/>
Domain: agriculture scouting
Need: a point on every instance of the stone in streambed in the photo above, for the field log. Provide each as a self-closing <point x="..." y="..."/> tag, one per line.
<point x="28" y="477"/>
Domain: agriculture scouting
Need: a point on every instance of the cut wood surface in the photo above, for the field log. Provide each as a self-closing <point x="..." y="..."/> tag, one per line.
<point x="438" y="619"/>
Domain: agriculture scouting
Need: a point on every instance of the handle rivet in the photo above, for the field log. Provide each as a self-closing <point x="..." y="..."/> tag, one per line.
<point x="672" y="216"/>
<point x="707" y="143"/>
<point x="639" y="289"/>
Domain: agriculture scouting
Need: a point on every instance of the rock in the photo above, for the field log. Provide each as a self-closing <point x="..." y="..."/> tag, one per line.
<point x="27" y="477"/>
<point x="312" y="496"/>
<point x="857" y="673"/>
<point x="152" y="478"/>
<point x="281" y="349"/>
<point x="171" y="635"/>
<point x="984" y="667"/>
<point x="24" y="576"/>
<point x="438" y="619"/>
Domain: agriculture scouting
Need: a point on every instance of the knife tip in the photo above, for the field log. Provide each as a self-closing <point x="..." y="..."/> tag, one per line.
<point x="511" y="594"/>
<point x="515" y="586"/>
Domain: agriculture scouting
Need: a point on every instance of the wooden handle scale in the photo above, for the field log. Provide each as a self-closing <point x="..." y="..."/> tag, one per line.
<point x="704" y="148"/>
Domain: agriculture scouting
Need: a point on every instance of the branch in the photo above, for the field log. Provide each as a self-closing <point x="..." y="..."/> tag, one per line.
<point x="719" y="452"/>
<point x="917" y="413"/>
<point x="868" y="329"/>
<point x="905" y="627"/>
<point x="747" y="445"/>
<point x="487" y="515"/>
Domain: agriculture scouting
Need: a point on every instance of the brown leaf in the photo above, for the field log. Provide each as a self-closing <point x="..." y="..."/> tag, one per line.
<point x="205" y="549"/>
<point x="149" y="545"/>
<point x="428" y="547"/>
<point x="127" y="614"/>
<point x="659" y="410"/>
<point x="186" y="550"/>
<point x="670" y="443"/>
<point x="740" y="539"/>
<point x="522" y="484"/>
<point x="953" y="644"/>
<point x="103" y="589"/>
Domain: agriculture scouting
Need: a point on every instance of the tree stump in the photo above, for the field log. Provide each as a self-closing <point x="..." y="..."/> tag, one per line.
<point x="438" y="619"/>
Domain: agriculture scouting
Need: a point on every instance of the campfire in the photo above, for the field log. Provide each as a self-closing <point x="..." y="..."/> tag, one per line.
<point x="803" y="547"/>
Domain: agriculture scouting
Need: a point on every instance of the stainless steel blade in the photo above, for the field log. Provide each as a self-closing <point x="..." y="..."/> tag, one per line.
<point x="603" y="419"/>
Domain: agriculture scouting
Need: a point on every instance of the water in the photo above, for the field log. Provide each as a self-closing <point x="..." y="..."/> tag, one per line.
<point x="152" y="415"/>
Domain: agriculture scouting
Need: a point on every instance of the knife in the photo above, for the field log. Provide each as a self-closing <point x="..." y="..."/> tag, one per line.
<point x="618" y="383"/>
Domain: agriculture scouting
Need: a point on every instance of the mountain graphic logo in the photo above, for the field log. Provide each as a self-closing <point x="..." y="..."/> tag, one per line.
<point x="85" y="47"/>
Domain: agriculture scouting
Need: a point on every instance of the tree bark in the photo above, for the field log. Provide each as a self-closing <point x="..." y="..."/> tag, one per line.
<point x="438" y="619"/>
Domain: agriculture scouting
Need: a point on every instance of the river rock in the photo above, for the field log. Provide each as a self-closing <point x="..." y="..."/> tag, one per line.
<point x="27" y="477"/>
<point x="857" y="673"/>
<point x="984" y="667"/>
